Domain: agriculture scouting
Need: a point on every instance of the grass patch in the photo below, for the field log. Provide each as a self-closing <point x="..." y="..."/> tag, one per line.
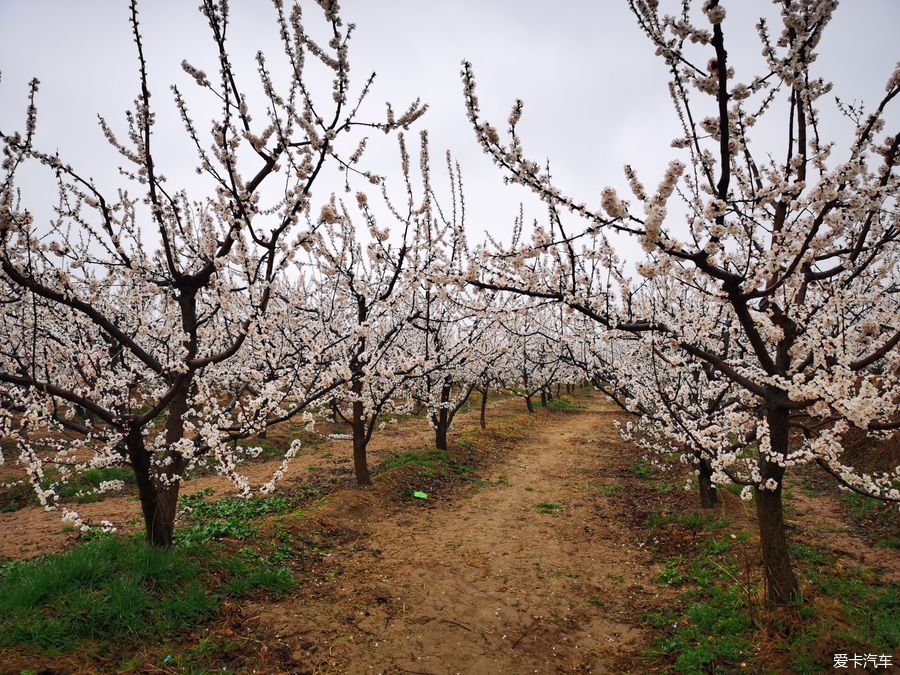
<point x="722" y="627"/>
<point x="803" y="552"/>
<point x="82" y="486"/>
<point x="432" y="463"/>
<point x="563" y="404"/>
<point x="715" y="631"/>
<point x="860" y="506"/>
<point x="696" y="521"/>
<point x="718" y="546"/>
<point x="428" y="459"/>
<point x="229" y="517"/>
<point x="120" y="591"/>
<point x="548" y="508"/>
<point x="609" y="490"/>
<point x="640" y="469"/>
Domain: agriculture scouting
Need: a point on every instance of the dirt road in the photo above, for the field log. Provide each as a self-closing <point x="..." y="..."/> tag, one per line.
<point x="532" y="572"/>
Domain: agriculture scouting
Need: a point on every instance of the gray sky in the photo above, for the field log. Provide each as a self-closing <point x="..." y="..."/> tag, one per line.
<point x="595" y="94"/>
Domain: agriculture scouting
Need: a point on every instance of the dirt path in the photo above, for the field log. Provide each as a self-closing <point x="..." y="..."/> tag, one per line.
<point x="491" y="581"/>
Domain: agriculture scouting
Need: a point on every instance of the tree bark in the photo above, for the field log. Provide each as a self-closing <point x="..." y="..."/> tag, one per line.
<point x="484" y="400"/>
<point x="442" y="419"/>
<point x="781" y="583"/>
<point x="158" y="504"/>
<point x="358" y="420"/>
<point x="528" y="404"/>
<point x="440" y="437"/>
<point x="334" y="411"/>
<point x="709" y="496"/>
<point x="543" y="397"/>
<point x="360" y="443"/>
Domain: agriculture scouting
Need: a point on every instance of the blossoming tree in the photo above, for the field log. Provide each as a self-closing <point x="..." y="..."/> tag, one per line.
<point x="800" y="248"/>
<point x="146" y="333"/>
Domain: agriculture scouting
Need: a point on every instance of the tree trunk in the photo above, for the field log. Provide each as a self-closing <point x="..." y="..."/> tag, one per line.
<point x="159" y="493"/>
<point x="442" y="419"/>
<point x="158" y="505"/>
<point x="440" y="437"/>
<point x="543" y="397"/>
<point x="159" y="508"/>
<point x="334" y="411"/>
<point x="484" y="400"/>
<point x="781" y="584"/>
<point x="360" y="464"/>
<point x="709" y="496"/>
<point x="528" y="404"/>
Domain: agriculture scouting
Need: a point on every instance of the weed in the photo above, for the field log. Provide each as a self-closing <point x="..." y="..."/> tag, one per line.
<point x="671" y="574"/>
<point x="640" y="469"/>
<point x="807" y="553"/>
<point x="662" y="619"/>
<point x="715" y="630"/>
<point x="563" y="404"/>
<point x="696" y="521"/>
<point x="229" y="517"/>
<point x="610" y="490"/>
<point x="718" y="546"/>
<point x="429" y="459"/>
<point x="547" y="508"/>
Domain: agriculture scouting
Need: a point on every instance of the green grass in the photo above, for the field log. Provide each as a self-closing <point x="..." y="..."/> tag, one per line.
<point x="717" y="546"/>
<point x="113" y="591"/>
<point x="640" y="469"/>
<point x="803" y="552"/>
<point x="18" y="495"/>
<point x="608" y="490"/>
<point x="432" y="463"/>
<point x="81" y="487"/>
<point x="120" y="591"/>
<point x="563" y="404"/>
<point x="548" y="508"/>
<point x="109" y="589"/>
<point x="870" y="606"/>
<point x="715" y="631"/>
<point x="428" y="459"/>
<point x="696" y="521"/>
<point x="225" y="518"/>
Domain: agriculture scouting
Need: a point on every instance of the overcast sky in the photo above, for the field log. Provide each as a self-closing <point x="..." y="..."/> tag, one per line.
<point x="595" y="93"/>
